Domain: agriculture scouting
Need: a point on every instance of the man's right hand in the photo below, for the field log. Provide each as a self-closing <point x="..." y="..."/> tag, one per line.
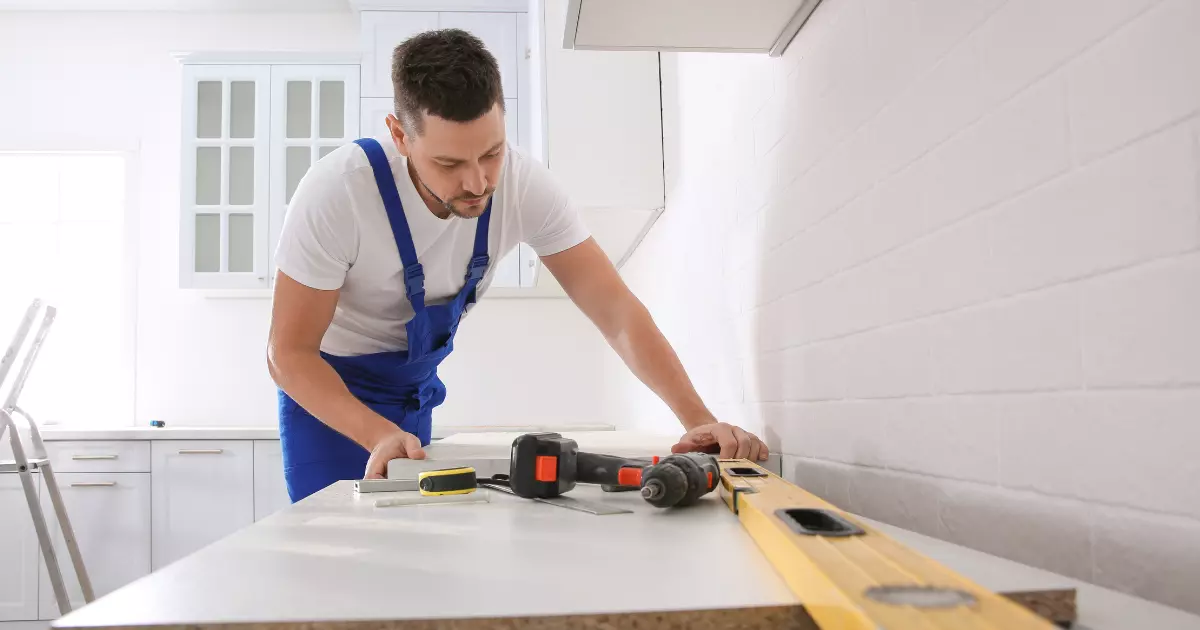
<point x="397" y="444"/>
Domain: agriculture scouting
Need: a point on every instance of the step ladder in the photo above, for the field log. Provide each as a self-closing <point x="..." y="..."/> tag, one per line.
<point x="37" y="460"/>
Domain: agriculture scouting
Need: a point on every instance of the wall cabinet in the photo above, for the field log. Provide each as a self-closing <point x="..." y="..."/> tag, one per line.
<point x="250" y="132"/>
<point x="203" y="490"/>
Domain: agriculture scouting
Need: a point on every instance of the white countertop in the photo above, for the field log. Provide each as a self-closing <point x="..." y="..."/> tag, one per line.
<point x="334" y="556"/>
<point x="60" y="433"/>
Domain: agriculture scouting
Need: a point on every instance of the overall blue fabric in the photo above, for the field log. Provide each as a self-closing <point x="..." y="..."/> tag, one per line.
<point x="401" y="386"/>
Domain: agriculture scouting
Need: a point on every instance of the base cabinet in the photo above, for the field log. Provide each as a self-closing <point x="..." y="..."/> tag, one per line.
<point x="110" y="515"/>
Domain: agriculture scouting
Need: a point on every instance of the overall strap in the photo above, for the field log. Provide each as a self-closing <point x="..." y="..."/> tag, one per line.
<point x="479" y="256"/>
<point x="414" y="274"/>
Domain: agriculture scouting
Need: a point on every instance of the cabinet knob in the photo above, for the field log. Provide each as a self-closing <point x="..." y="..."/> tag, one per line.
<point x="92" y="457"/>
<point x="201" y="451"/>
<point x="93" y="484"/>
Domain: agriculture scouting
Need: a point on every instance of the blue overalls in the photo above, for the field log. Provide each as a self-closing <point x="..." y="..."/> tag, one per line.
<point x="402" y="386"/>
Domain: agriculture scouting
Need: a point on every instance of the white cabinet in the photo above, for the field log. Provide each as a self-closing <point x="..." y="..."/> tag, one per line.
<point x="110" y="515"/>
<point x="203" y="490"/>
<point x="270" y="489"/>
<point x="250" y="132"/>
<point x="18" y="554"/>
<point x="314" y="110"/>
<point x="223" y="228"/>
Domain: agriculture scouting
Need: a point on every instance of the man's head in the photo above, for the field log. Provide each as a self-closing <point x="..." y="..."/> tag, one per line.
<point x="449" y="119"/>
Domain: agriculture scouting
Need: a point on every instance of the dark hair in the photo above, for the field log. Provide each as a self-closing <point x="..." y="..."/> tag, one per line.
<point x="448" y="73"/>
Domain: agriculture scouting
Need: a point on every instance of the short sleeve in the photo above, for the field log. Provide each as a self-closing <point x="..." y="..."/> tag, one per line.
<point x="318" y="241"/>
<point x="552" y="223"/>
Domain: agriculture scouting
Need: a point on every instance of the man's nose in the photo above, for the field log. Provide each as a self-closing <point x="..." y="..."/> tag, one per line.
<point x="476" y="181"/>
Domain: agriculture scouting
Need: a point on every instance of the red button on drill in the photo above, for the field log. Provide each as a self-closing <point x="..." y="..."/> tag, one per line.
<point x="629" y="476"/>
<point x="546" y="468"/>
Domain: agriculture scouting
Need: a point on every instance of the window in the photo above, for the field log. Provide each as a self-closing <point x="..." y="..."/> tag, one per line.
<point x="65" y="238"/>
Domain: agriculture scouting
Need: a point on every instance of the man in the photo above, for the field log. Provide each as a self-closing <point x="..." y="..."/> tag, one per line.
<point x="388" y="242"/>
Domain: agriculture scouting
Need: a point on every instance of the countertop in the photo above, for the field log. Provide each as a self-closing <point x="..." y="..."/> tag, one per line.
<point x="334" y="560"/>
<point x="60" y="433"/>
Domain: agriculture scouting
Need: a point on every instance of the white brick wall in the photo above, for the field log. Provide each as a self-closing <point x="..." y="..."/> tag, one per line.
<point x="945" y="255"/>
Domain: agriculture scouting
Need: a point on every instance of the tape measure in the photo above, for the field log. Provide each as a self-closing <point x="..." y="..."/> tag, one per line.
<point x="460" y="480"/>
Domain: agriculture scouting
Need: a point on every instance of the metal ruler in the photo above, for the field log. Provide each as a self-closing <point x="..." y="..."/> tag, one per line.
<point x="850" y="576"/>
<point x="599" y="509"/>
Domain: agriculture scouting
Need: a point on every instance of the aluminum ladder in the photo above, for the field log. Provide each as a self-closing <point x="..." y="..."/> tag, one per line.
<point x="37" y="460"/>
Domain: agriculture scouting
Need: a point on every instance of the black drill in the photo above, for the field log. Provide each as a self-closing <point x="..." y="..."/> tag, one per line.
<point x="545" y="465"/>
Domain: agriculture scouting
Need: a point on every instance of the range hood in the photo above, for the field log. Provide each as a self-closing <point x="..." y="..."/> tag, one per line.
<point x="746" y="26"/>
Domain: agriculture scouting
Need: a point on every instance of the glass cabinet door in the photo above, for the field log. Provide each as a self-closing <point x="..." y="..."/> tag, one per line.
<point x="314" y="110"/>
<point x="224" y="176"/>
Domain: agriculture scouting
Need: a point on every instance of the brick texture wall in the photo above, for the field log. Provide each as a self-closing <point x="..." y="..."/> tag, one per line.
<point x="945" y="255"/>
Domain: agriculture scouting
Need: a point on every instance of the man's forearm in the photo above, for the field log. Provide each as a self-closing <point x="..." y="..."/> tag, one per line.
<point x="641" y="345"/>
<point x="316" y="387"/>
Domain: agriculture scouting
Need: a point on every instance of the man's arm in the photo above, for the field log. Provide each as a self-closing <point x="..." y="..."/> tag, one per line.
<point x="593" y="284"/>
<point x="300" y="316"/>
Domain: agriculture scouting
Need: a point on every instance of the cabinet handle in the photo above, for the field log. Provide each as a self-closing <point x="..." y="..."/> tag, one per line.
<point x="201" y="451"/>
<point x="93" y="484"/>
<point x="92" y="457"/>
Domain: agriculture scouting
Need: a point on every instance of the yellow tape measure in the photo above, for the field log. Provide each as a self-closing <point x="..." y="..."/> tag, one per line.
<point x="460" y="480"/>
<point x="850" y="576"/>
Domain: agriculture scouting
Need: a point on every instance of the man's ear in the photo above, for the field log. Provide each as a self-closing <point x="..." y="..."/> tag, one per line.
<point x="400" y="138"/>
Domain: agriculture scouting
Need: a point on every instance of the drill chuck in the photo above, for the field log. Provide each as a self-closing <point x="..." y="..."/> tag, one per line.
<point x="680" y="480"/>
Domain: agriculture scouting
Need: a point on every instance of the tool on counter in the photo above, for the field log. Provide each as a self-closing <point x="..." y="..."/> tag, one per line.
<point x="850" y="576"/>
<point x="443" y="485"/>
<point x="545" y="466"/>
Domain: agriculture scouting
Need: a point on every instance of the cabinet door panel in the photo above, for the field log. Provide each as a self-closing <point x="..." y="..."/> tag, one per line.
<point x="110" y="515"/>
<point x="224" y="176"/>
<point x="314" y="110"/>
<point x="270" y="490"/>
<point x="18" y="554"/>
<point x="203" y="490"/>
<point x="374" y="112"/>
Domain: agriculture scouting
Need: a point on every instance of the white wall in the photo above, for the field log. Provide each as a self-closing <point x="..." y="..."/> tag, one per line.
<point x="107" y="81"/>
<point x="947" y="254"/>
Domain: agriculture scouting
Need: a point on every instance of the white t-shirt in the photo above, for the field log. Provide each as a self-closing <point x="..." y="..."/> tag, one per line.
<point x="337" y="235"/>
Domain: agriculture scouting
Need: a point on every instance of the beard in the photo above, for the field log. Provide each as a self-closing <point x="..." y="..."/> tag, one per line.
<point x="459" y="207"/>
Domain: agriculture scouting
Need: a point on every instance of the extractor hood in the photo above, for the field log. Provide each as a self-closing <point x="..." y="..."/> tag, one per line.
<point x="746" y="26"/>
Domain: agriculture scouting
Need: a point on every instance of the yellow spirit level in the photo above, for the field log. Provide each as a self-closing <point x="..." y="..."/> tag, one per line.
<point x="852" y="577"/>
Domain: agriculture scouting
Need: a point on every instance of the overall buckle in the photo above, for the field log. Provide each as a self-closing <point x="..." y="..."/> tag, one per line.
<point x="414" y="280"/>
<point x="477" y="267"/>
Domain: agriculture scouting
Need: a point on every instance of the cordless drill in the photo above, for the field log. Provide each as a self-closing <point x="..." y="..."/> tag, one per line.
<point x="545" y="465"/>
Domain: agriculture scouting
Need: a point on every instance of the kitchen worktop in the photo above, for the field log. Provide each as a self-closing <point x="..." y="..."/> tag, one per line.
<point x="335" y="561"/>
<point x="60" y="433"/>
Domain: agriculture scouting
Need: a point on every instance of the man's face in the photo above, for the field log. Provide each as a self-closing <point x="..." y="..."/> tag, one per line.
<point x="457" y="162"/>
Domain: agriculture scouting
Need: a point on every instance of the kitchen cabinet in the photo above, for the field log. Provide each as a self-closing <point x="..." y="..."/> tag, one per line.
<point x="202" y="490"/>
<point x="314" y="110"/>
<point x="252" y="127"/>
<point x="270" y="489"/>
<point x="225" y="175"/>
<point x="19" y="554"/>
<point x="110" y="515"/>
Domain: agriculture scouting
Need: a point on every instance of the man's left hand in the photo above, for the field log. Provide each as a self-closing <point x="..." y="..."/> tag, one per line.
<point x="731" y="441"/>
